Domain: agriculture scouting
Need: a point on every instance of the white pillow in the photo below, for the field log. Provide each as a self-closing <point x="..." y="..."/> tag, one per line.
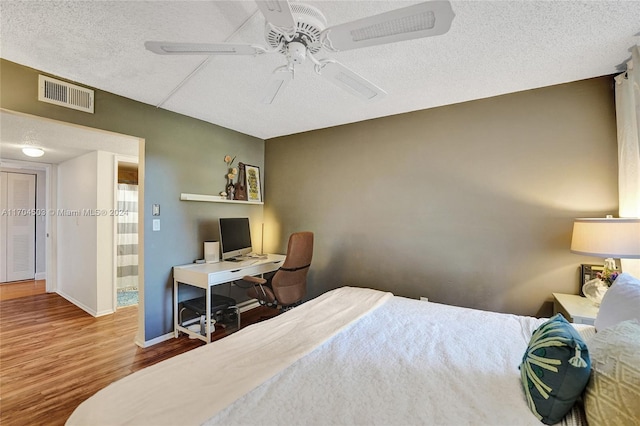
<point x="620" y="303"/>
<point x="613" y="393"/>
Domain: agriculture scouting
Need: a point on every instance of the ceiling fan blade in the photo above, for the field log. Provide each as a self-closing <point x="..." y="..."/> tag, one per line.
<point x="169" y="48"/>
<point x="350" y="81"/>
<point x="276" y="86"/>
<point x="426" y="19"/>
<point x="278" y="13"/>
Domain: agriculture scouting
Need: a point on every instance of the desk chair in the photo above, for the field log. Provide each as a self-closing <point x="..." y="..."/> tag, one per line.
<point x="288" y="286"/>
<point x="223" y="310"/>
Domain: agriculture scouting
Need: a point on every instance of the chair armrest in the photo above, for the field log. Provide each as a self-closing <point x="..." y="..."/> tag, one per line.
<point x="254" y="280"/>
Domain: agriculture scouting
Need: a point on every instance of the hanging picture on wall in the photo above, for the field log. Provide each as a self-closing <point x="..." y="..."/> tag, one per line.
<point x="253" y="183"/>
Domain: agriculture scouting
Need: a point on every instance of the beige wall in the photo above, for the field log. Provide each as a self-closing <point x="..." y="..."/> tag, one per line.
<point x="470" y="204"/>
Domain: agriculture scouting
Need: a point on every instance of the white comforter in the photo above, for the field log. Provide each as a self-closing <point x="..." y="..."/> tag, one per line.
<point x="406" y="363"/>
<point x="351" y="356"/>
<point x="190" y="388"/>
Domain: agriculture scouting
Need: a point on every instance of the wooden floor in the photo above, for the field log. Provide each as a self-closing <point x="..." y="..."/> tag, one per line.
<point x="14" y="290"/>
<point x="54" y="355"/>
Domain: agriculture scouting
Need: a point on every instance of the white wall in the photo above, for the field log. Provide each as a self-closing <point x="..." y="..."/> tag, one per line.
<point x="105" y="250"/>
<point x="85" y="243"/>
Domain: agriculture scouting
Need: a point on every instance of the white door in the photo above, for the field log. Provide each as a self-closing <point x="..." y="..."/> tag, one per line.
<point x="18" y="201"/>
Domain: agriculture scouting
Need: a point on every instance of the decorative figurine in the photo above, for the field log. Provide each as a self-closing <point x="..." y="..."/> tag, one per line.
<point x="241" y="189"/>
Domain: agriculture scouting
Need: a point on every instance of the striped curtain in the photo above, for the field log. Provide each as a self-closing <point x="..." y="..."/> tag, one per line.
<point x="127" y="237"/>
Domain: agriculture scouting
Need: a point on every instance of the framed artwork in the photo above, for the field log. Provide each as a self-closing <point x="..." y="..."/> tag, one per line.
<point x="587" y="273"/>
<point x="253" y="183"/>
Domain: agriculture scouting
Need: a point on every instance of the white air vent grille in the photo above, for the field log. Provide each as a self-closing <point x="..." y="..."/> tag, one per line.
<point x="65" y="94"/>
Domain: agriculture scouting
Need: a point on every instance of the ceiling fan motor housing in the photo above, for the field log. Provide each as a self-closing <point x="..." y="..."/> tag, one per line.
<point x="309" y="24"/>
<point x="296" y="52"/>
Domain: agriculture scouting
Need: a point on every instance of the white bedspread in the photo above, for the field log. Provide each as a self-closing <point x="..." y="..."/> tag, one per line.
<point x="352" y="356"/>
<point x="190" y="388"/>
<point x="407" y="363"/>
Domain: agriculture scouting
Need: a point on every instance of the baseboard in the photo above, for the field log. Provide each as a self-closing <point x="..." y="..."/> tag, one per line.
<point x="155" y="341"/>
<point x="79" y="304"/>
<point x="243" y="307"/>
<point x="105" y="312"/>
<point x="40" y="276"/>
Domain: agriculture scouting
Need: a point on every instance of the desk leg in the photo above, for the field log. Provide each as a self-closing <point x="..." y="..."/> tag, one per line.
<point x="175" y="309"/>
<point x="208" y="318"/>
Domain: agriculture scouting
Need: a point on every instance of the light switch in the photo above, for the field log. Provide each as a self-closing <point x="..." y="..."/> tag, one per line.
<point x="155" y="210"/>
<point x="156" y="224"/>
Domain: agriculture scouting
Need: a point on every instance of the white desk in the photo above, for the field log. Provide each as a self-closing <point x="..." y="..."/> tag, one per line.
<point x="206" y="275"/>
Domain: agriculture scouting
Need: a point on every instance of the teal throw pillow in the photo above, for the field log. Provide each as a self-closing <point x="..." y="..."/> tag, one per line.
<point x="555" y="369"/>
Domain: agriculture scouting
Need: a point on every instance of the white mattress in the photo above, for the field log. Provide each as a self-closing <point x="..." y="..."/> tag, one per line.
<point x="400" y="361"/>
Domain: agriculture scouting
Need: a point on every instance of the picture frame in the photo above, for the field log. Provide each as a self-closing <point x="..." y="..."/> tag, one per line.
<point x="253" y="183"/>
<point x="587" y="273"/>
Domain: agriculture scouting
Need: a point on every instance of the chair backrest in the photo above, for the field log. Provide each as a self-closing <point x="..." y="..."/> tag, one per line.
<point x="290" y="281"/>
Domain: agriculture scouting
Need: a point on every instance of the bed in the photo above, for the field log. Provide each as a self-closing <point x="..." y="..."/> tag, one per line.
<point x="349" y="356"/>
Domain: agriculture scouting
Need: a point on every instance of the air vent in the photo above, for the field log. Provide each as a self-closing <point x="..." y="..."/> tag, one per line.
<point x="65" y="94"/>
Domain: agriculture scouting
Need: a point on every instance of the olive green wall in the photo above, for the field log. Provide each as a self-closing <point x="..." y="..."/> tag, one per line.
<point x="181" y="155"/>
<point x="470" y="204"/>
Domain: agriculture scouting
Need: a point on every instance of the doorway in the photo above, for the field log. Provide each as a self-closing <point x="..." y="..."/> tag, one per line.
<point x="126" y="232"/>
<point x="17" y="226"/>
<point x="73" y="155"/>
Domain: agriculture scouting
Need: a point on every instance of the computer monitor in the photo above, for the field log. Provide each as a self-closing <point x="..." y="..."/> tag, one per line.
<point x="235" y="236"/>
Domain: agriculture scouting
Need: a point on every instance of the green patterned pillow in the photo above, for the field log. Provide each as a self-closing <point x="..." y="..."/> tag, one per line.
<point x="555" y="369"/>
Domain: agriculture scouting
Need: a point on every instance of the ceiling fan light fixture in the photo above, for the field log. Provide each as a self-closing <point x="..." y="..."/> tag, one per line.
<point x="31" y="151"/>
<point x="298" y="31"/>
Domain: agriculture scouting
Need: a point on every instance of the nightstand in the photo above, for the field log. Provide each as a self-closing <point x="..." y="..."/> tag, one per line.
<point x="576" y="309"/>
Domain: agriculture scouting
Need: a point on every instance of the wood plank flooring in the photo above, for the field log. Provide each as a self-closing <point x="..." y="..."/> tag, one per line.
<point x="53" y="355"/>
<point x="14" y="290"/>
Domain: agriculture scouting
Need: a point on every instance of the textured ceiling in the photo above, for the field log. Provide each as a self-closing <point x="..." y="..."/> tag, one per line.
<point x="60" y="141"/>
<point x="493" y="48"/>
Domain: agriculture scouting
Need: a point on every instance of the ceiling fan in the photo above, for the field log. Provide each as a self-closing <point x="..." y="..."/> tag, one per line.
<point x="299" y="31"/>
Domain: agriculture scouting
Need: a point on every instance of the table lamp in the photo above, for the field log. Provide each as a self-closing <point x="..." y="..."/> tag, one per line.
<point x="609" y="238"/>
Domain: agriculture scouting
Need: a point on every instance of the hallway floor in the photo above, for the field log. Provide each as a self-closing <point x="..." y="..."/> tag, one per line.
<point x="16" y="289"/>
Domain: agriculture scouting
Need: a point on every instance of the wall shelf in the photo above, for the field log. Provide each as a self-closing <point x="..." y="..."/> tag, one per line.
<point x="213" y="199"/>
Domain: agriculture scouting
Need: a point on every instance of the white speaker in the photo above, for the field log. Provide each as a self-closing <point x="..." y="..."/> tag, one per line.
<point x="211" y="251"/>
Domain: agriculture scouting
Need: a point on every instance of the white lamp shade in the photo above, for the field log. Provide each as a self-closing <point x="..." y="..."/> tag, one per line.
<point x="607" y="237"/>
